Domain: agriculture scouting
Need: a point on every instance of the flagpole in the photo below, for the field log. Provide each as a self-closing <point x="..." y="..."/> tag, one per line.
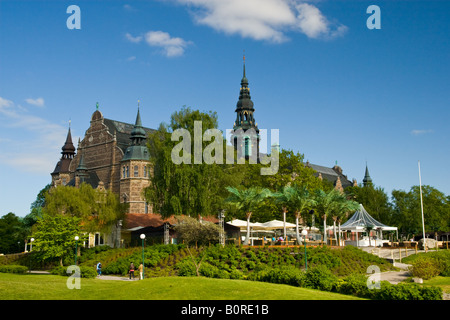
<point x="421" y="206"/>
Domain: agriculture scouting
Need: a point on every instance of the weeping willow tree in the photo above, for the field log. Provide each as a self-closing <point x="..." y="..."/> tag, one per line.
<point x="193" y="189"/>
<point x="97" y="210"/>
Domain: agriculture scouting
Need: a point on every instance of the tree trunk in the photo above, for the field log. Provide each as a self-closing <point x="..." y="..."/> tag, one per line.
<point x="325" y="228"/>
<point x="334" y="228"/>
<point x="297" y="234"/>
<point x="247" y="238"/>
<point x="284" y="223"/>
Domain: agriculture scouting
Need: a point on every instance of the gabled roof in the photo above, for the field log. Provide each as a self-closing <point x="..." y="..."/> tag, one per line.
<point x="134" y="220"/>
<point x="123" y="132"/>
<point x="330" y="174"/>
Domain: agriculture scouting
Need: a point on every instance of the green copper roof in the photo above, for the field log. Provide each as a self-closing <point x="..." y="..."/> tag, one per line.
<point x="138" y="149"/>
<point x="367" y="179"/>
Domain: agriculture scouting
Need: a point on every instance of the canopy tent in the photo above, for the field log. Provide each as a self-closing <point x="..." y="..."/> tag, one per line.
<point x="361" y="220"/>
<point x="269" y="225"/>
<point x="243" y="224"/>
<point x="277" y="224"/>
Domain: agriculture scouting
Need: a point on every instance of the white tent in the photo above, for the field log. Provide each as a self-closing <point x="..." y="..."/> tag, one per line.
<point x="361" y="219"/>
<point x="277" y="224"/>
<point x="243" y="224"/>
<point x="359" y="222"/>
<point x="270" y="225"/>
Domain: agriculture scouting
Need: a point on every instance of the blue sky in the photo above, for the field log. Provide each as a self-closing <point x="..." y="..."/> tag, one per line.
<point x="336" y="90"/>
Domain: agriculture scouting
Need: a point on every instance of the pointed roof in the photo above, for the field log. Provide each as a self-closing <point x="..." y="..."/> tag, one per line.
<point x="367" y="179"/>
<point x="138" y="133"/>
<point x="362" y="219"/>
<point x="68" y="147"/>
<point x="137" y="149"/>
<point x="245" y="101"/>
<point x="81" y="165"/>
<point x="68" y="152"/>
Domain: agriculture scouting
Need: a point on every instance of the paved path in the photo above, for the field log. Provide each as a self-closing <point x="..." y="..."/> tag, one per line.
<point x="117" y="278"/>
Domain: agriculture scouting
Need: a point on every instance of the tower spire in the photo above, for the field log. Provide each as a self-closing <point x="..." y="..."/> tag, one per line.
<point x="68" y="149"/>
<point x="138" y="133"/>
<point x="367" y="179"/>
<point x="245" y="120"/>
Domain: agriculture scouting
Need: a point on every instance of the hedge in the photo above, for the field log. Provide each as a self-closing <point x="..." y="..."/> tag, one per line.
<point x="12" y="268"/>
<point x="86" y="272"/>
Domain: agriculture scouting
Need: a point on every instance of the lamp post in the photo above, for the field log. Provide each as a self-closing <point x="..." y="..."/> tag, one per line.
<point x="304" y="233"/>
<point x="76" y="244"/>
<point x="142" y="236"/>
<point x="31" y="244"/>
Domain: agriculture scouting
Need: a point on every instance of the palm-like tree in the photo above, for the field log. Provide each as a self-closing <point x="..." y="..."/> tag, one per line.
<point x="298" y="199"/>
<point x="247" y="200"/>
<point x="324" y="206"/>
<point x="341" y="206"/>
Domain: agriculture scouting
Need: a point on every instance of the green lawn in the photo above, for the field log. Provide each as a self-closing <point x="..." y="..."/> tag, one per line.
<point x="50" y="287"/>
<point x="443" y="282"/>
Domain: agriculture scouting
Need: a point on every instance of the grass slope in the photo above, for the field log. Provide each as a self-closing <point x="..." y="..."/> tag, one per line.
<point x="49" y="287"/>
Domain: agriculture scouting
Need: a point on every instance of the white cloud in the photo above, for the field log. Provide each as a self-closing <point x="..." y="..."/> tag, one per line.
<point x="128" y="7"/>
<point x="36" y="102"/>
<point x="133" y="39"/>
<point x="314" y="24"/>
<point x="267" y="20"/>
<point x="171" y="46"/>
<point x="29" y="143"/>
<point x="418" y="132"/>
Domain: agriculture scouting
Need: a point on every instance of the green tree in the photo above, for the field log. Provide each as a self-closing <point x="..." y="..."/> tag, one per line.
<point x="291" y="172"/>
<point x="191" y="231"/>
<point x="341" y="207"/>
<point x="36" y="209"/>
<point x="98" y="210"/>
<point x="325" y="205"/>
<point x="296" y="199"/>
<point x="190" y="189"/>
<point x="247" y="201"/>
<point x="55" y="236"/>
<point x="12" y="233"/>
<point x="374" y="200"/>
<point x="407" y="210"/>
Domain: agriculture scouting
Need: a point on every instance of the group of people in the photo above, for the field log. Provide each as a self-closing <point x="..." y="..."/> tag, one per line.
<point x="131" y="270"/>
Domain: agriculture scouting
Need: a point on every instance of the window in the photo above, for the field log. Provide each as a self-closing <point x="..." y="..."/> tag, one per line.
<point x="128" y="172"/>
<point x="145" y="171"/>
<point x="124" y="172"/>
<point x="136" y="171"/>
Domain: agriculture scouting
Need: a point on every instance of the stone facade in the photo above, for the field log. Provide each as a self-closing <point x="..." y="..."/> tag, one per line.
<point x="101" y="153"/>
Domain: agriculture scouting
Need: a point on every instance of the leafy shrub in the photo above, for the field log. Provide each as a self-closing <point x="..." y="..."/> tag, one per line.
<point x="289" y="275"/>
<point x="85" y="272"/>
<point x="321" y="278"/>
<point x="406" y="291"/>
<point x="12" y="268"/>
<point x="186" y="268"/>
<point x="355" y="284"/>
<point x="425" y="268"/>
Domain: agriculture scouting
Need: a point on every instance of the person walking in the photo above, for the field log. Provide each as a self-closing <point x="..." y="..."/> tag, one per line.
<point x="99" y="269"/>
<point x="131" y="270"/>
<point x="141" y="272"/>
